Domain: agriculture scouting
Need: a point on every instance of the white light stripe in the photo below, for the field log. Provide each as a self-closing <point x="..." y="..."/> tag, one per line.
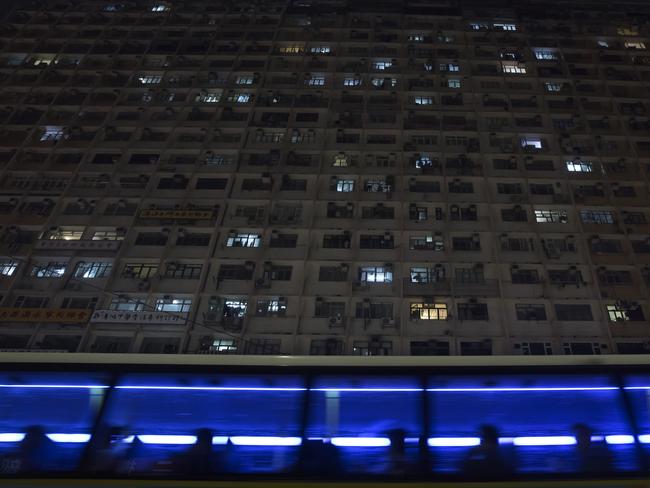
<point x="265" y="441"/>
<point x="556" y="440"/>
<point x="167" y="439"/>
<point x="619" y="439"/>
<point x="506" y="389"/>
<point x="87" y="387"/>
<point x="11" y="437"/>
<point x="361" y="441"/>
<point x="69" y="438"/>
<point x="453" y="441"/>
<point x="371" y="390"/>
<point x="206" y="388"/>
<point x="644" y="438"/>
<point x="220" y="440"/>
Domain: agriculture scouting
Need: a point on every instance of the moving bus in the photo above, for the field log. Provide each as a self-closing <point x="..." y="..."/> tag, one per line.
<point x="86" y="419"/>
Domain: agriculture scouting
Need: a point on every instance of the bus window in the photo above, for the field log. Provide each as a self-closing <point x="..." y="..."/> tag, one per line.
<point x="494" y="426"/>
<point x="370" y="425"/>
<point x="201" y="426"/>
<point x="47" y="419"/>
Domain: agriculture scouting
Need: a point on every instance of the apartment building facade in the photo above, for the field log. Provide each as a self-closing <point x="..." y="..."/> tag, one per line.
<point x="428" y="178"/>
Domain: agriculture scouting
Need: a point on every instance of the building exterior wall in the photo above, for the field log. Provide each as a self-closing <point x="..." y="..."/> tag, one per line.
<point x="324" y="179"/>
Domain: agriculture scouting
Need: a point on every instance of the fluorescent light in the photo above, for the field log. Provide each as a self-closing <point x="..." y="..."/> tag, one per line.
<point x="265" y="441"/>
<point x="453" y="441"/>
<point x="69" y="438"/>
<point x="644" y="439"/>
<point x="619" y="439"/>
<point x="206" y="388"/>
<point x="365" y="390"/>
<point x="220" y="440"/>
<point x="361" y="441"/>
<point x="554" y="440"/>
<point x="11" y="437"/>
<point x="515" y="389"/>
<point x="167" y="439"/>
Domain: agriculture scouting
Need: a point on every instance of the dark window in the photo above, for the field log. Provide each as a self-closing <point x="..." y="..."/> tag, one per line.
<point x="429" y="348"/>
<point x="530" y="311"/>
<point x="473" y="311"/>
<point x="573" y="312"/>
<point x="211" y="183"/>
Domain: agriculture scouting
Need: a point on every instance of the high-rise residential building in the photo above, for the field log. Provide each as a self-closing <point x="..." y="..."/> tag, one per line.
<point x="325" y="177"/>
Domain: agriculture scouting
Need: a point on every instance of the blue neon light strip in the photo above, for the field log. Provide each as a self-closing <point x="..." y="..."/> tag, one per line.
<point x="206" y="388"/>
<point x="524" y="389"/>
<point x="83" y="387"/>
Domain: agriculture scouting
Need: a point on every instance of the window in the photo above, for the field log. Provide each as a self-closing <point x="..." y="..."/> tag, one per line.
<point x="453" y="83"/>
<point x="295" y="49"/>
<point x="473" y="311"/>
<point x="416" y="38"/>
<point x="52" y="133"/>
<point x="545" y="54"/>
<point x="326" y="347"/>
<point x="49" y="270"/>
<point x="452" y="67"/>
<point x="150" y="79"/>
<point x="623" y="312"/>
<point x="240" y="97"/>
<point x="126" y="304"/>
<point x="428" y="311"/>
<point x="345" y="186"/>
<point x="478" y="26"/>
<point x="423" y="161"/>
<point x="552" y="86"/>
<point x="209" y="97"/>
<point x="551" y="216"/>
<point x="31" y="302"/>
<point x="64" y="235"/>
<point x="224" y="346"/>
<point x="234" y="308"/>
<point x="534" y="143"/>
<point x="280" y="273"/>
<point x="579" y="166"/>
<point x="514" y="69"/>
<point x="263" y="346"/>
<point x="183" y="271"/>
<point x="244" y="240"/>
<point x="316" y="80"/>
<point x="271" y="306"/>
<point x="429" y="348"/>
<point x="8" y="267"/>
<point x="535" y="348"/>
<point x="583" y="348"/>
<point x="340" y="160"/>
<point x="604" y="44"/>
<point x="245" y="80"/>
<point x="373" y="310"/>
<point x="382" y="65"/>
<point x="320" y="50"/>
<point x="530" y="311"/>
<point x="427" y="275"/>
<point x="419" y="100"/>
<point x="376" y="274"/>
<point x="597" y="216"/>
<point x="89" y="270"/>
<point x="141" y="271"/>
<point x="573" y="312"/>
<point x="634" y="45"/>
<point x="173" y="305"/>
<point x="372" y="348"/>
<point x="505" y="27"/>
<point x="384" y="82"/>
<point x="159" y="7"/>
<point x="351" y="81"/>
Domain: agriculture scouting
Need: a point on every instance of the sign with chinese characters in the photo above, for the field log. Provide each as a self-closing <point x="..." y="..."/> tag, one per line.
<point x="176" y="214"/>
<point x="78" y="245"/>
<point x="129" y="317"/>
<point x="59" y="315"/>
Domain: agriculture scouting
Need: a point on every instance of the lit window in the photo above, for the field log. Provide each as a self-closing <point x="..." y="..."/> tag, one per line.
<point x="224" y="346"/>
<point x="64" y="235"/>
<point x="553" y="86"/>
<point x="428" y="66"/>
<point x="382" y="65"/>
<point x="340" y="160"/>
<point x="505" y="27"/>
<point x="90" y="270"/>
<point x="428" y="311"/>
<point x="271" y="306"/>
<point x="49" y="270"/>
<point x="239" y="97"/>
<point x="453" y="83"/>
<point x="424" y="100"/>
<point x="159" y="7"/>
<point x="627" y="31"/>
<point x="453" y="67"/>
<point x="621" y="313"/>
<point x="291" y="49"/>
<point x="603" y="44"/>
<point x="345" y="186"/>
<point x="384" y="82"/>
<point x="416" y="38"/>
<point x="426" y="243"/>
<point x="150" y="79"/>
<point x="596" y="216"/>
<point x="320" y="50"/>
<point x="235" y="308"/>
<point x="532" y="143"/>
<point x="634" y="45"/>
<point x="579" y="166"/>
<point x="244" y="240"/>
<point x="126" y="304"/>
<point x="375" y="274"/>
<point x="423" y="161"/>
<point x="545" y="54"/>
<point x="8" y="267"/>
<point x="209" y="97"/>
<point x="52" y="133"/>
<point x="316" y="80"/>
<point x="140" y="271"/>
<point x="108" y="235"/>
<point x="478" y="26"/>
<point x="514" y="69"/>
<point x="351" y="81"/>
<point x="245" y="80"/>
<point x="113" y="7"/>
<point x="551" y="216"/>
<point x="174" y="305"/>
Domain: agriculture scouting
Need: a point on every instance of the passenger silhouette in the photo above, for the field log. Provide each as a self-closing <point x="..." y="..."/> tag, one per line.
<point x="319" y="459"/>
<point x="397" y="452"/>
<point x="486" y="460"/>
<point x="591" y="457"/>
<point x="34" y="450"/>
<point x="200" y="459"/>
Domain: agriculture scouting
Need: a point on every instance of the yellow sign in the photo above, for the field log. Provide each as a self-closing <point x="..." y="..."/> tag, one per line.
<point x="176" y="214"/>
<point x="65" y="315"/>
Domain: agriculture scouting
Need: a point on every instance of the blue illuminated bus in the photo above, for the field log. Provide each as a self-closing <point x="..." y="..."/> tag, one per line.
<point x="83" y="418"/>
